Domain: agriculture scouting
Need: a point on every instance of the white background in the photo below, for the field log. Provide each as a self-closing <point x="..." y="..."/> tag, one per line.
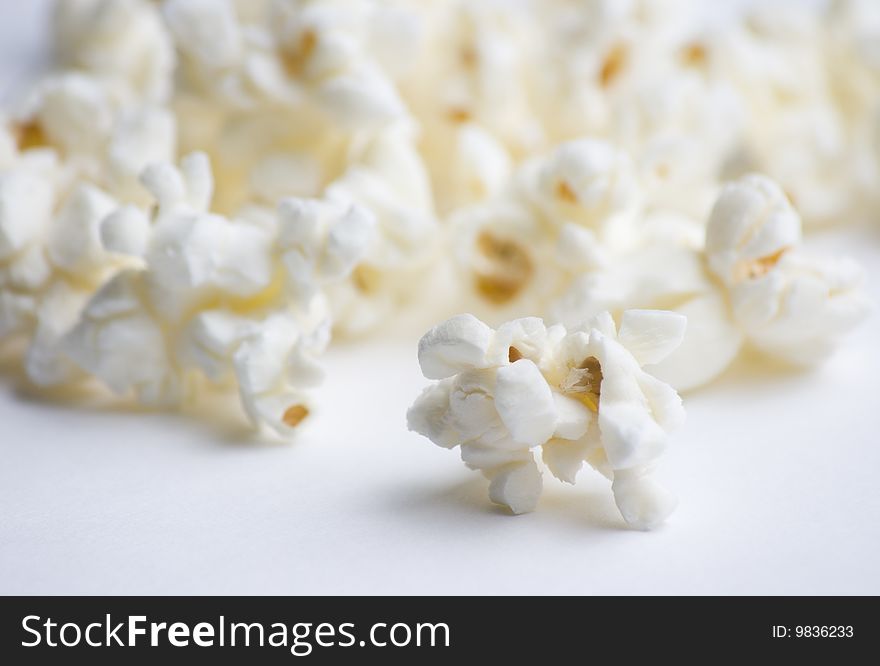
<point x="777" y="475"/>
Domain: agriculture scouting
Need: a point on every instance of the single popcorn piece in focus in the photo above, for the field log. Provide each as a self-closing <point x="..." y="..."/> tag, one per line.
<point x="580" y="395"/>
<point x="231" y="301"/>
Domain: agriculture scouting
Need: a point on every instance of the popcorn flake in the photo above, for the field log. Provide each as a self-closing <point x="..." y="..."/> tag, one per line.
<point x="579" y="394"/>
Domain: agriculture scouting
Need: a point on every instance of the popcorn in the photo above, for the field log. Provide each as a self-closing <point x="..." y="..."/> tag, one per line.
<point x="594" y="54"/>
<point x="97" y="137"/>
<point x="587" y="182"/>
<point x="343" y="158"/>
<point x="237" y="301"/>
<point x="563" y="215"/>
<point x="854" y="32"/>
<point x="469" y="88"/>
<point x="281" y="100"/>
<point x="752" y="284"/>
<point x="309" y="56"/>
<point x="387" y="177"/>
<point x="318" y="245"/>
<point x="751" y="226"/>
<point x="26" y="202"/>
<point x="788" y="304"/>
<point x="207" y="32"/>
<point x="139" y="138"/>
<point x="795" y="131"/>
<point x="119" y="40"/>
<point x="470" y="164"/>
<point x="579" y="394"/>
<point x="51" y="258"/>
<point x="499" y="248"/>
<point x="75" y="112"/>
<point x="352" y="140"/>
<point x="682" y="130"/>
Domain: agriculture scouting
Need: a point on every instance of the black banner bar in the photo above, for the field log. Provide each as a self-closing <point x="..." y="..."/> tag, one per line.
<point x="428" y="630"/>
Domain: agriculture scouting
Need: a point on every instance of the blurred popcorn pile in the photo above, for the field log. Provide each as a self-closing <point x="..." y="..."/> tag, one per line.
<point x="203" y="190"/>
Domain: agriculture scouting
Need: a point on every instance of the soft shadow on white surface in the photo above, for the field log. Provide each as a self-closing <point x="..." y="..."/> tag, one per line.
<point x="446" y="505"/>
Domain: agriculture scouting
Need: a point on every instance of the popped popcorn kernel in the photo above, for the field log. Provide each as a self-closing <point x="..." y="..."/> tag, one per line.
<point x="239" y="302"/>
<point x="499" y="401"/>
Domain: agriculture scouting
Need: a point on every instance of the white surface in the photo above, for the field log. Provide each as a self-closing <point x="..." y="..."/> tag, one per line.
<point x="776" y="474"/>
